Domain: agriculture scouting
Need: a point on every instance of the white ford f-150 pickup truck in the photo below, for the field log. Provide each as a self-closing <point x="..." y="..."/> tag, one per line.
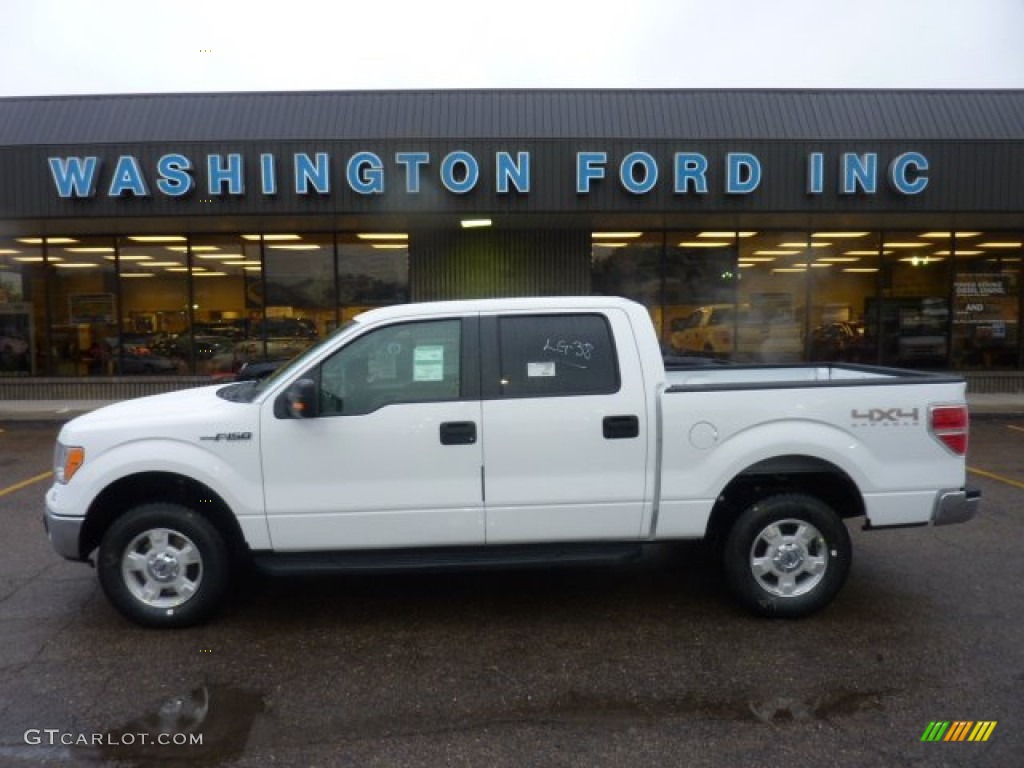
<point x="504" y="432"/>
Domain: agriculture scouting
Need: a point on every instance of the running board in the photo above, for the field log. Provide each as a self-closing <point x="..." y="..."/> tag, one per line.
<point x="446" y="558"/>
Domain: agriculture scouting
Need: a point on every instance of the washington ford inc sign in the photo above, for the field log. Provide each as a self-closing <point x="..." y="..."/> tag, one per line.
<point x="367" y="173"/>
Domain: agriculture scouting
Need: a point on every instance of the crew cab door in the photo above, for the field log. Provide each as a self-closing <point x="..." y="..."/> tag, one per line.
<point x="565" y="427"/>
<point x="391" y="455"/>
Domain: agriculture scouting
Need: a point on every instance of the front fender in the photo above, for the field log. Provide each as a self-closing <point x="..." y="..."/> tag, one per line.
<point x="231" y="470"/>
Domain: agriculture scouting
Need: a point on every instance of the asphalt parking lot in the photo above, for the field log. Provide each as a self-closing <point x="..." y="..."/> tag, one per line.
<point x="650" y="664"/>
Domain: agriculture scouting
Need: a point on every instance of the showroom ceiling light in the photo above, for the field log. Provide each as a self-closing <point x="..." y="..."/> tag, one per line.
<point x="726" y="234"/>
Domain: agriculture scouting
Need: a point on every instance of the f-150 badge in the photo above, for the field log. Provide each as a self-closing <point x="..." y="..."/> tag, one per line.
<point x="230" y="437"/>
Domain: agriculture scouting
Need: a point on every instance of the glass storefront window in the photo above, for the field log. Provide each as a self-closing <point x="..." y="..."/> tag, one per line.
<point x="628" y="264"/>
<point x="213" y="271"/>
<point x="373" y="271"/>
<point x="298" y="296"/>
<point x="172" y="304"/>
<point x="987" y="299"/>
<point x="844" y="283"/>
<point x="84" y="335"/>
<point x="23" y="327"/>
<point x="154" y="300"/>
<point x="700" y="281"/>
<point x="913" y="314"/>
<point x="768" y="320"/>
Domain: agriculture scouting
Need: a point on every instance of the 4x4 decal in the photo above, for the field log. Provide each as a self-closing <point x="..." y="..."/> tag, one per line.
<point x="886" y="417"/>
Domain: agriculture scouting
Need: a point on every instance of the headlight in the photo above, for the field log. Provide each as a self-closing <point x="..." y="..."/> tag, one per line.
<point x="67" y="459"/>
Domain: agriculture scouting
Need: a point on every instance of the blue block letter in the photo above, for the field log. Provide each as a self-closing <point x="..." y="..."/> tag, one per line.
<point x="515" y="173"/>
<point x="691" y="167"/>
<point x="859" y="171"/>
<point x="627" y="172"/>
<point x="127" y="178"/>
<point x="589" y="166"/>
<point x="308" y="172"/>
<point x="815" y="173"/>
<point x="412" y="162"/>
<point x="742" y="173"/>
<point x="268" y="175"/>
<point x="217" y="174"/>
<point x="175" y="179"/>
<point x="903" y="167"/>
<point x="74" y="176"/>
<point x="365" y="173"/>
<point x="470" y="174"/>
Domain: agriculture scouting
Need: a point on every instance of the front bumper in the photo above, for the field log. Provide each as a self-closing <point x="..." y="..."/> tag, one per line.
<point x="63" y="533"/>
<point x="956" y="506"/>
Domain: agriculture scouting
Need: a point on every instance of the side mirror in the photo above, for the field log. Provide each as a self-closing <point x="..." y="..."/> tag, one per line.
<point x="303" y="399"/>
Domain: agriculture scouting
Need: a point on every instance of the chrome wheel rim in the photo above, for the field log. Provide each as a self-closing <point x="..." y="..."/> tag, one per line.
<point x="789" y="558"/>
<point x="162" y="568"/>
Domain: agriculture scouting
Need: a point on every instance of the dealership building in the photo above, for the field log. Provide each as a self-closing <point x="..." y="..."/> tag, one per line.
<point x="178" y="235"/>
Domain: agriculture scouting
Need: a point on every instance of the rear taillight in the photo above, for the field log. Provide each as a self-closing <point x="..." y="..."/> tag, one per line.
<point x="949" y="424"/>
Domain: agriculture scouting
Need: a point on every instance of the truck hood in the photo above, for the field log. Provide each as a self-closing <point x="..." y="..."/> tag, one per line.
<point x="164" y="415"/>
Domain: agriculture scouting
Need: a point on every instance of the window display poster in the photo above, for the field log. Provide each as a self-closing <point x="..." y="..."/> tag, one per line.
<point x="986" y="299"/>
<point x="88" y="308"/>
<point x="11" y="290"/>
<point x="16" y="338"/>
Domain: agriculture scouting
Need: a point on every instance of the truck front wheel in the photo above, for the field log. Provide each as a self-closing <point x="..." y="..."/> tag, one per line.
<point x="163" y="565"/>
<point x="787" y="555"/>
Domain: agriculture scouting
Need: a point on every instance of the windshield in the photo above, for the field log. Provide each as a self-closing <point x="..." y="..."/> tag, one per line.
<point x="248" y="391"/>
<point x="301" y="359"/>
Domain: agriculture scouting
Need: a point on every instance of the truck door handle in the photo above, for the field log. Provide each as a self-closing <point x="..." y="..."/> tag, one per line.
<point x="620" y="427"/>
<point x="458" y="433"/>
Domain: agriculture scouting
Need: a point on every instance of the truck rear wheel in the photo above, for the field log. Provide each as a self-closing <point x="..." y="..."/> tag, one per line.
<point x="787" y="555"/>
<point x="163" y="565"/>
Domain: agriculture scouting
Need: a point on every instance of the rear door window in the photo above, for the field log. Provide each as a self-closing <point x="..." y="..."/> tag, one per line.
<point x="552" y="355"/>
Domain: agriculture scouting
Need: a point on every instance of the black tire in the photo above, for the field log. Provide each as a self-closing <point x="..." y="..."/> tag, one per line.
<point x="787" y="555"/>
<point x="164" y="565"/>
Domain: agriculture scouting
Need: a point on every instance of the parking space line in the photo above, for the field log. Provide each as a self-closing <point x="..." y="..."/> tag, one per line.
<point x="994" y="476"/>
<point x="24" y="483"/>
<point x="1015" y="429"/>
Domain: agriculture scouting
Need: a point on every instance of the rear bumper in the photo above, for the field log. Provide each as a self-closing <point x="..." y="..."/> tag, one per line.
<point x="956" y="506"/>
